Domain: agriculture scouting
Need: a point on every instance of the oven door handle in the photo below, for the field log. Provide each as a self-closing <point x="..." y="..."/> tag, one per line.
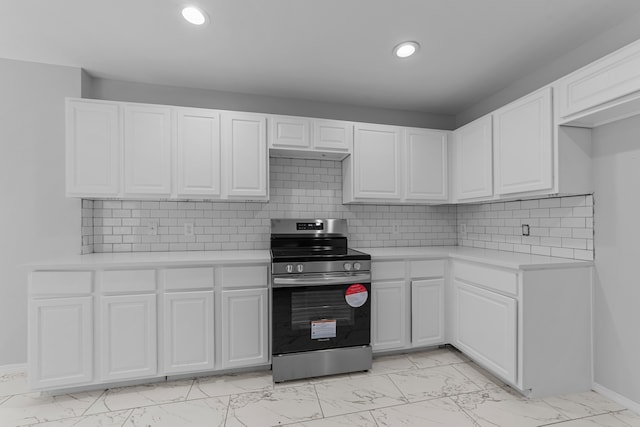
<point x="321" y="280"/>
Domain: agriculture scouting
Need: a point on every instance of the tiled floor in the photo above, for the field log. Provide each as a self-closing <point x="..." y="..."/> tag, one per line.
<point x="431" y="388"/>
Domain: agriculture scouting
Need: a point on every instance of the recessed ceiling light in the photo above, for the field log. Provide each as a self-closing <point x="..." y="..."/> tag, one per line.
<point x="194" y="15"/>
<point x="406" y="49"/>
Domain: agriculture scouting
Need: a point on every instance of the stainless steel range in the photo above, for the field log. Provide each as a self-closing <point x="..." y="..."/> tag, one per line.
<point x="321" y="305"/>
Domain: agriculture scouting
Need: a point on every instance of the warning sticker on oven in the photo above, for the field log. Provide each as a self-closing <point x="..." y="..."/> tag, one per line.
<point x="356" y="295"/>
<point x="325" y="328"/>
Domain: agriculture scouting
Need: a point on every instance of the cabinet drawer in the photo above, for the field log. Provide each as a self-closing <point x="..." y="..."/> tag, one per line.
<point x="60" y="282"/>
<point x="128" y="280"/>
<point x="384" y="270"/>
<point x="243" y="276"/>
<point x="188" y="278"/>
<point x="427" y="268"/>
<point x="491" y="278"/>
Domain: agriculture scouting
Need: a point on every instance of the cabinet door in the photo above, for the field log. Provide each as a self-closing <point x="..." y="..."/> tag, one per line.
<point x="245" y="161"/>
<point x="426" y="165"/>
<point x="147" y="150"/>
<point x="388" y="320"/>
<point x="474" y="160"/>
<point x="427" y="312"/>
<point x="332" y="135"/>
<point x="376" y="161"/>
<point x="289" y="132"/>
<point x="244" y="327"/>
<point x="188" y="331"/>
<point x="486" y="328"/>
<point x="523" y="144"/>
<point x="198" y="153"/>
<point x="60" y="342"/>
<point x="93" y="140"/>
<point x="128" y="336"/>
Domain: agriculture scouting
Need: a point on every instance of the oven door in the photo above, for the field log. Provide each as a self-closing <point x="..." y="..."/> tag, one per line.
<point x="321" y="311"/>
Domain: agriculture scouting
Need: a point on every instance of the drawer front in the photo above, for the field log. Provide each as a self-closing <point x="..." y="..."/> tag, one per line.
<point x="490" y="278"/>
<point x="188" y="278"/>
<point x="128" y="280"/>
<point x="427" y="268"/>
<point x="251" y="276"/>
<point x="384" y="270"/>
<point x="60" y="282"/>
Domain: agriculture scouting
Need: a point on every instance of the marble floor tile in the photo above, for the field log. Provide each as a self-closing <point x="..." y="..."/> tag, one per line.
<point x="225" y="385"/>
<point x="431" y="383"/>
<point x="437" y="357"/>
<point x="358" y="394"/>
<point x="116" y="399"/>
<point x="614" y="419"/>
<point x="359" y="419"/>
<point x="583" y="404"/>
<point x="479" y="376"/>
<point x="108" y="419"/>
<point x="500" y="407"/>
<point x="13" y="383"/>
<point x="428" y="413"/>
<point x="209" y="412"/>
<point x="273" y="407"/>
<point x="32" y="408"/>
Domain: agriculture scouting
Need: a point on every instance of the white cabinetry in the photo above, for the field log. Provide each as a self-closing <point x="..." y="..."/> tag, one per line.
<point x="332" y="136"/>
<point x="198" y="153"/>
<point x="93" y="145"/>
<point x="523" y="145"/>
<point x="147" y="150"/>
<point x="244" y="156"/>
<point x="426" y="163"/>
<point x="388" y="322"/>
<point x="473" y="160"/>
<point x="427" y="312"/>
<point x="309" y="138"/>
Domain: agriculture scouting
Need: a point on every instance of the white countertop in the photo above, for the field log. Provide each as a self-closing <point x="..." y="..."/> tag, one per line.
<point x="486" y="256"/>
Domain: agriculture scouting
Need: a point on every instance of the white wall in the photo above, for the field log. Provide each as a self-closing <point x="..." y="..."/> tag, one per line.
<point x="37" y="220"/>
<point x="616" y="168"/>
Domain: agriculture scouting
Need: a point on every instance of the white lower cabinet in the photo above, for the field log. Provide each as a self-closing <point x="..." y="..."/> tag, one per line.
<point x="427" y="312"/>
<point x="245" y="327"/>
<point x="188" y="343"/>
<point x="388" y="323"/>
<point x="127" y="335"/>
<point x="60" y="342"/>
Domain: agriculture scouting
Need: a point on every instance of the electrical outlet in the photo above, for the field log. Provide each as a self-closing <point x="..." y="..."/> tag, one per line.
<point x="152" y="228"/>
<point x="463" y="228"/>
<point x="188" y="229"/>
<point x="395" y="228"/>
<point x="525" y="229"/>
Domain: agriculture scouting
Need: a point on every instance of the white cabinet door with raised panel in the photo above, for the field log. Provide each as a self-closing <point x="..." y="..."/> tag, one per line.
<point x="188" y="331"/>
<point x="388" y="320"/>
<point x="127" y="337"/>
<point x="198" y="153"/>
<point x="376" y="162"/>
<point x="245" y="335"/>
<point x="427" y="312"/>
<point x="473" y="160"/>
<point x="244" y="161"/>
<point x="289" y="132"/>
<point x="332" y="135"/>
<point x="60" y="342"/>
<point x="147" y="150"/>
<point x="486" y="328"/>
<point x="93" y="144"/>
<point x="523" y="144"/>
<point x="426" y="164"/>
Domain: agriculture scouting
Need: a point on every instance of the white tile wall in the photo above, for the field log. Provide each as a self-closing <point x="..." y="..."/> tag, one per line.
<point x="299" y="188"/>
<point x="561" y="226"/>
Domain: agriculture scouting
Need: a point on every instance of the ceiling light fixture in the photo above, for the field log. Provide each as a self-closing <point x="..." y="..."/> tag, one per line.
<point x="194" y="15"/>
<point x="406" y="49"/>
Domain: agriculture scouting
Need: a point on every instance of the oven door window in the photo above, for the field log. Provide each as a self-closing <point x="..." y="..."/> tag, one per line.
<point x="319" y="317"/>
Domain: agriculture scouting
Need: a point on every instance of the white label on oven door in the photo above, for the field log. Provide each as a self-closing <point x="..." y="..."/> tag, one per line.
<point x="325" y="328"/>
<point x="356" y="295"/>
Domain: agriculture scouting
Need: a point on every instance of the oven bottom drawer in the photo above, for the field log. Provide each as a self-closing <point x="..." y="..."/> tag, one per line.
<point x="319" y="363"/>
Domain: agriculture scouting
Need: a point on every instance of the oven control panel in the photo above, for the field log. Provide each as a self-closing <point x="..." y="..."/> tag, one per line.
<point x="321" y="267"/>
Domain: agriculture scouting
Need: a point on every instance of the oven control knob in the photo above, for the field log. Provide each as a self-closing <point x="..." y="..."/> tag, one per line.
<point x="300" y="268"/>
<point x="347" y="266"/>
<point x="356" y="266"/>
<point x="289" y="268"/>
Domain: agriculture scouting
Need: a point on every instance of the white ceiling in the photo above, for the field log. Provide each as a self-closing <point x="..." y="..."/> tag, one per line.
<point x="331" y="50"/>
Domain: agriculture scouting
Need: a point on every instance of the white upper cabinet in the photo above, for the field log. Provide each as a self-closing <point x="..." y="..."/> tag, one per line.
<point x="523" y="144"/>
<point x="147" y="150"/>
<point x="332" y="135"/>
<point x="289" y="132"/>
<point x="309" y="138"/>
<point x="425" y="164"/>
<point x="93" y="147"/>
<point x="473" y="160"/>
<point x="198" y="153"/>
<point x="244" y="159"/>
